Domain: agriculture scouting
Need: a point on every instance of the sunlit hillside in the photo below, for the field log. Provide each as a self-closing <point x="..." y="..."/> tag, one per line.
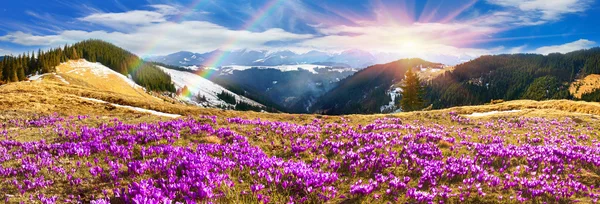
<point x="97" y="76"/>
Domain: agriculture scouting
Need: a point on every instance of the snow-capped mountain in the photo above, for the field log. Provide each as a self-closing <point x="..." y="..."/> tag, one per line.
<point x="245" y="57"/>
<point x="202" y="91"/>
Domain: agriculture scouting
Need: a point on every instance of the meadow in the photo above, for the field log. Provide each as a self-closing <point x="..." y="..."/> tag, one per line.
<point x="438" y="156"/>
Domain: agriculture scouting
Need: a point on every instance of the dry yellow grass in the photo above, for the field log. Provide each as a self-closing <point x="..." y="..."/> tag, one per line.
<point x="26" y="99"/>
<point x="585" y="85"/>
<point x="550" y="106"/>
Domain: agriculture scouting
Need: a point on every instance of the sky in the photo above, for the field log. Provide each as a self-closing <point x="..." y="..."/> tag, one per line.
<point x="437" y="30"/>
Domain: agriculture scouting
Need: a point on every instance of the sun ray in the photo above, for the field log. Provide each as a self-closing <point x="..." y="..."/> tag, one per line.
<point x="450" y="17"/>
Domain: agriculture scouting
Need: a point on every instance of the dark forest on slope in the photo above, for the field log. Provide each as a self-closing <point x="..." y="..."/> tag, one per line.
<point x="17" y="68"/>
<point x="511" y="77"/>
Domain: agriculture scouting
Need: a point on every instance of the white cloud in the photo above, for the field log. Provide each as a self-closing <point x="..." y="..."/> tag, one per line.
<point x="567" y="47"/>
<point x="149" y="33"/>
<point x="126" y="20"/>
<point x="536" y="12"/>
<point x="165" y="9"/>
<point x="164" y="38"/>
<point x="31" y="40"/>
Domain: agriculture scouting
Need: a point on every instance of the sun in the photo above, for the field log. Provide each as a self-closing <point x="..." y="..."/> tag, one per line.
<point x="412" y="45"/>
<point x="409" y="44"/>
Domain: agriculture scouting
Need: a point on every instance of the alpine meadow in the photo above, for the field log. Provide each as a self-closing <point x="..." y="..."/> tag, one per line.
<point x="299" y="101"/>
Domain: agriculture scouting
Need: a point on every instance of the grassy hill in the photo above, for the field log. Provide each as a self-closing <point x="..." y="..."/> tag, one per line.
<point x="525" y="151"/>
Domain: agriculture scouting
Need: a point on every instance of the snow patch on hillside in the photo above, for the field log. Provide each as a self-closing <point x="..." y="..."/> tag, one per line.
<point x="38" y="77"/>
<point x="199" y="85"/>
<point x="284" y="68"/>
<point x="340" y="70"/>
<point x="153" y="112"/>
<point x="62" y="79"/>
<point x="392" y="104"/>
<point x="476" y="114"/>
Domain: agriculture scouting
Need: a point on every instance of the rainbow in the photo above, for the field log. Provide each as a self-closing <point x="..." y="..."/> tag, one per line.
<point x="216" y="59"/>
<point x="219" y="55"/>
<point x="185" y="93"/>
<point x="205" y="72"/>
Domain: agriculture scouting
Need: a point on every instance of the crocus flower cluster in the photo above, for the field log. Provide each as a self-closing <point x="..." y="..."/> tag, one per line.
<point x="453" y="159"/>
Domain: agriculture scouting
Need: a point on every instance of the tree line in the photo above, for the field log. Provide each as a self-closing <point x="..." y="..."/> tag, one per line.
<point x="17" y="68"/>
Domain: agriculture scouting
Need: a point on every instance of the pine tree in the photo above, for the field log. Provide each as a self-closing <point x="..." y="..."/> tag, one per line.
<point x="2" y="69"/>
<point x="4" y="76"/>
<point x="13" y="71"/>
<point x="74" y="54"/>
<point x="412" y="92"/>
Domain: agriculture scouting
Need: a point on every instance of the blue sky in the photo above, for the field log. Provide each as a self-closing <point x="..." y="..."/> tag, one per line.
<point x="432" y="29"/>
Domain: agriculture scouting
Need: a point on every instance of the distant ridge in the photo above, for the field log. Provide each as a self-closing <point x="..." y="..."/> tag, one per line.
<point x="353" y="58"/>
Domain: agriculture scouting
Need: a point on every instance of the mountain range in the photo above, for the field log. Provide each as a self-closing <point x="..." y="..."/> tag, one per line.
<point x="374" y="89"/>
<point x="350" y="58"/>
<point x="335" y="88"/>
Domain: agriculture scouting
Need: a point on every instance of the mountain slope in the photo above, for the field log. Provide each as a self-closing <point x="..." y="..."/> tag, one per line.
<point x="200" y="87"/>
<point x="512" y="77"/>
<point x="367" y="90"/>
<point x="98" y="76"/>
